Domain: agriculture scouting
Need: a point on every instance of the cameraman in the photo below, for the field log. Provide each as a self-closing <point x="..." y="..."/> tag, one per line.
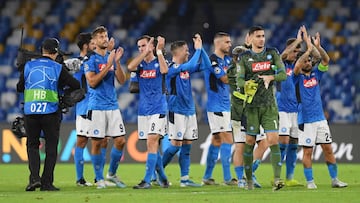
<point x="41" y="81"/>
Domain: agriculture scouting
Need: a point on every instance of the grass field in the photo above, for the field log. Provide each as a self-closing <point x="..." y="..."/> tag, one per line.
<point x="14" y="177"/>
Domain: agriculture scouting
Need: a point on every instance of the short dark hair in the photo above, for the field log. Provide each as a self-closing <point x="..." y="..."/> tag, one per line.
<point x="98" y="30"/>
<point x="255" y="28"/>
<point x="83" y="38"/>
<point x="290" y="41"/>
<point x="177" y="44"/>
<point x="221" y="34"/>
<point x="147" y="37"/>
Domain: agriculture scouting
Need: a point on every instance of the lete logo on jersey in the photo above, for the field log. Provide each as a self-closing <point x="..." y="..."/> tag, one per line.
<point x="261" y="66"/>
<point x="103" y="65"/>
<point x="185" y="75"/>
<point x="289" y="71"/>
<point x="312" y="82"/>
<point x="148" y="74"/>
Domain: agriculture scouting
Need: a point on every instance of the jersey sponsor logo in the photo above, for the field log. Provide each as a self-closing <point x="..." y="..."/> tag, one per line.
<point x="289" y="71"/>
<point x="185" y="75"/>
<point x="261" y="66"/>
<point x="312" y="82"/>
<point x="101" y="66"/>
<point x="148" y="74"/>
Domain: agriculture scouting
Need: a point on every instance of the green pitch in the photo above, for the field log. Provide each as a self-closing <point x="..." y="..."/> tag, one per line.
<point x="14" y="177"/>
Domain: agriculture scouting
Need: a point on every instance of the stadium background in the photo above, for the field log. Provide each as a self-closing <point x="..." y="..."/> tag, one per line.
<point x="126" y="20"/>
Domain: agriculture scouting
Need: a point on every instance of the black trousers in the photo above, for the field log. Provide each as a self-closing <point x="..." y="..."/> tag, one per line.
<point x="49" y="124"/>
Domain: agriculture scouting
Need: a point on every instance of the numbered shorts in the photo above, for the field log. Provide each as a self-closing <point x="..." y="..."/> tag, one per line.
<point x="152" y="124"/>
<point x="219" y="122"/>
<point x="182" y="127"/>
<point x="239" y="132"/>
<point x="288" y="124"/>
<point x="267" y="117"/>
<point x="82" y="125"/>
<point x="315" y="133"/>
<point x="105" y="123"/>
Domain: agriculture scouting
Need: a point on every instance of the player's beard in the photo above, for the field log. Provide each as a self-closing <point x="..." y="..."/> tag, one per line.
<point x="103" y="45"/>
<point x="260" y="46"/>
<point x="226" y="51"/>
<point x="306" y="69"/>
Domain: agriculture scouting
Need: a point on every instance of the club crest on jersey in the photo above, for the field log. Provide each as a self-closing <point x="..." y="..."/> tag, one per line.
<point x="156" y="65"/>
<point x="269" y="57"/>
<point x="185" y="75"/>
<point x="148" y="74"/>
<point x="133" y="74"/>
<point x="312" y="82"/>
<point x="261" y="66"/>
<point x="250" y="59"/>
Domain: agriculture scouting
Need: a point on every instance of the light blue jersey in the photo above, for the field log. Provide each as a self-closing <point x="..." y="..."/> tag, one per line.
<point x="152" y="99"/>
<point x="103" y="96"/>
<point x="286" y="95"/>
<point x="312" y="109"/>
<point x="218" y="92"/>
<point x="178" y="84"/>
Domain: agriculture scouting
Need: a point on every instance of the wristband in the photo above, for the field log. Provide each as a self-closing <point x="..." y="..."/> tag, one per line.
<point x="159" y="52"/>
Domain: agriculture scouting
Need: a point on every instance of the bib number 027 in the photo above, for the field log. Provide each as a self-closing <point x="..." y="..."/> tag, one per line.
<point x="38" y="107"/>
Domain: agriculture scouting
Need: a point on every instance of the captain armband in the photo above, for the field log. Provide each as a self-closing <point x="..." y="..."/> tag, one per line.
<point x="323" y="68"/>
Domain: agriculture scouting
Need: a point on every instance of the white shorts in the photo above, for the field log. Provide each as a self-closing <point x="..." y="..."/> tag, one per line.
<point x="182" y="127"/>
<point x="152" y="124"/>
<point x="288" y="124"/>
<point x="219" y="122"/>
<point x="106" y="123"/>
<point x="82" y="126"/>
<point x="239" y="133"/>
<point x="315" y="133"/>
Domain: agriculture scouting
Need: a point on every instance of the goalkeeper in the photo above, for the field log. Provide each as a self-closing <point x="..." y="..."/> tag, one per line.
<point x="258" y="68"/>
<point x="238" y="123"/>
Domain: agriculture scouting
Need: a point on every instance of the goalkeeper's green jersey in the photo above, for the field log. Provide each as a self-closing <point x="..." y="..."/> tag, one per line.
<point x="251" y="65"/>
